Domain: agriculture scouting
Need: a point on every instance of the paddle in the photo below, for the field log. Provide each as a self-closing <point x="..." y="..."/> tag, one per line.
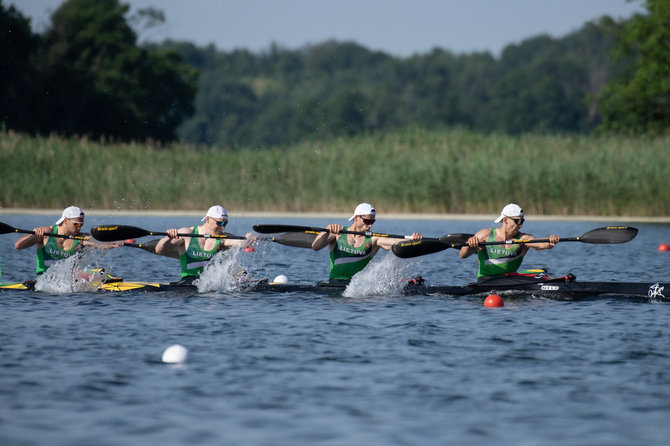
<point x="110" y="233"/>
<point x="295" y="239"/>
<point x="415" y="248"/>
<point x="7" y="229"/>
<point x="599" y="236"/>
<point x="149" y="246"/>
<point x="271" y="229"/>
<point x="124" y="232"/>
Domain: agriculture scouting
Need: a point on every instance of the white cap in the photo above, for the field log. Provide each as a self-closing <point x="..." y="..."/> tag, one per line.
<point x="216" y="212"/>
<point x="511" y="210"/>
<point x="71" y="212"/>
<point x="363" y="209"/>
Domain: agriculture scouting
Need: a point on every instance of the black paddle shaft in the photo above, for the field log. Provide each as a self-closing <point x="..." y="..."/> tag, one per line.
<point x="7" y="229"/>
<point x="600" y="236"/>
<point x="606" y="235"/>
<point x="110" y="233"/>
<point x="273" y="229"/>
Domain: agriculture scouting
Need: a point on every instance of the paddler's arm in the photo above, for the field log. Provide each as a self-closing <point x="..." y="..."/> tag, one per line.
<point x="29" y="240"/>
<point x="326" y="238"/>
<point x="172" y="242"/>
<point x="387" y="242"/>
<point x="472" y="245"/>
<point x="250" y="238"/>
<point x="97" y="245"/>
<point x="553" y="239"/>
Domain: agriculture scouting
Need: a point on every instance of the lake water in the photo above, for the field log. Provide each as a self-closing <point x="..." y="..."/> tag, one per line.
<point x="80" y="368"/>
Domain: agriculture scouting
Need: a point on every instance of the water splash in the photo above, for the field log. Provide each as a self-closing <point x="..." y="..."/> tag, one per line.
<point x="74" y="274"/>
<point x="380" y="278"/>
<point x="224" y="272"/>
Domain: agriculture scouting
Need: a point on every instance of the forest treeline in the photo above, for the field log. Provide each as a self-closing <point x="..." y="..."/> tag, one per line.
<point x="341" y="88"/>
<point x="86" y="75"/>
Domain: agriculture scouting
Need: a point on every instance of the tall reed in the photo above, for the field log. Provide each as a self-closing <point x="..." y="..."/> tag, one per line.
<point x="410" y="170"/>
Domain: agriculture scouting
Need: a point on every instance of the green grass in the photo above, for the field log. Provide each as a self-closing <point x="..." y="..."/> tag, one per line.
<point x="411" y="170"/>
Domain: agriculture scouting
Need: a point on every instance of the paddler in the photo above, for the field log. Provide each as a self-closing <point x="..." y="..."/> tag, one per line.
<point x="195" y="252"/>
<point x="496" y="261"/>
<point x="350" y="253"/>
<point x="52" y="249"/>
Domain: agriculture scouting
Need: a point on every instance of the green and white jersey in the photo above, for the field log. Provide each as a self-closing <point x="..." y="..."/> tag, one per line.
<point x="346" y="260"/>
<point x="52" y="253"/>
<point x="195" y="258"/>
<point x="495" y="260"/>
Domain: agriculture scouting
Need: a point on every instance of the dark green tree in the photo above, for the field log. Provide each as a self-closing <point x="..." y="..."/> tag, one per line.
<point x="539" y="97"/>
<point x="345" y="112"/>
<point x="307" y="120"/>
<point x="18" y="45"/>
<point x="473" y="78"/>
<point x="639" y="100"/>
<point x="98" y="82"/>
<point x="226" y="112"/>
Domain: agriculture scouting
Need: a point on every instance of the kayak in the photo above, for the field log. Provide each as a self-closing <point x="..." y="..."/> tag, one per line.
<point x="112" y="286"/>
<point x="550" y="288"/>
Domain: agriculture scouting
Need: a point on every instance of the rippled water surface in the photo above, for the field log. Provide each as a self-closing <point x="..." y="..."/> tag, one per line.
<point x="306" y="368"/>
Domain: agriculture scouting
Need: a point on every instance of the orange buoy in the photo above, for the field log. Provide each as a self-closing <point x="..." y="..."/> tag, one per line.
<point x="663" y="247"/>
<point x="249" y="249"/>
<point x="493" y="301"/>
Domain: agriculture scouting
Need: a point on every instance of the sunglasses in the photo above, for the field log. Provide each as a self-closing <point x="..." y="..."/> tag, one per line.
<point x="517" y="221"/>
<point x="368" y="221"/>
<point x="78" y="224"/>
<point x="222" y="223"/>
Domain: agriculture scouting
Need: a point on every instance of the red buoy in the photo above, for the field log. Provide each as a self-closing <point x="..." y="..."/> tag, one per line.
<point x="249" y="249"/>
<point x="130" y="240"/>
<point x="494" y="301"/>
<point x="663" y="247"/>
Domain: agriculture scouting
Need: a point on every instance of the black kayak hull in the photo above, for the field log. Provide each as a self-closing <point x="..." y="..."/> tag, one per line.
<point x="564" y="290"/>
<point x="550" y="289"/>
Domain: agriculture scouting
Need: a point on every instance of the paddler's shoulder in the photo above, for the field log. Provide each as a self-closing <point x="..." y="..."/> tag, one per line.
<point x="484" y="233"/>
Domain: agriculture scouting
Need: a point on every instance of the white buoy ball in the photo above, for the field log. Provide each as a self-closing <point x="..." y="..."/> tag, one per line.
<point x="175" y="354"/>
<point x="281" y="279"/>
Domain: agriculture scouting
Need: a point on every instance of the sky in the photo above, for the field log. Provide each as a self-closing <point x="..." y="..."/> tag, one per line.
<point x="397" y="27"/>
